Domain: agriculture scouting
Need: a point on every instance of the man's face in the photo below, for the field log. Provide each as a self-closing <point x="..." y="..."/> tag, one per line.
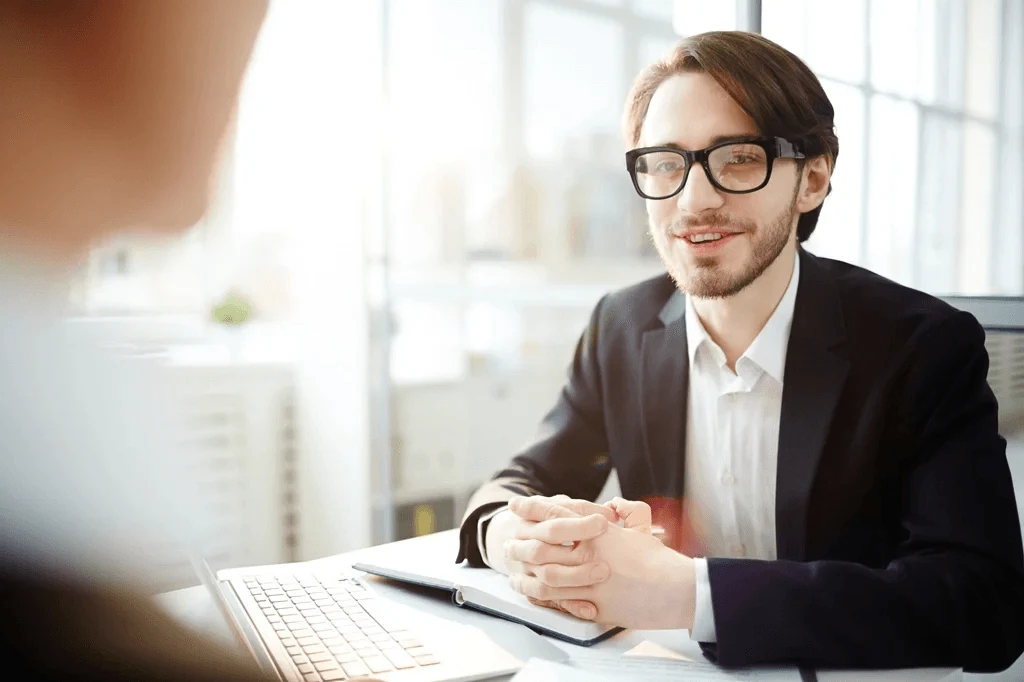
<point x="692" y="111"/>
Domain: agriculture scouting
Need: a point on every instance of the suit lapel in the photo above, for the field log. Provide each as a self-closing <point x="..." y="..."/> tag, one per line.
<point x="816" y="368"/>
<point x="663" y="392"/>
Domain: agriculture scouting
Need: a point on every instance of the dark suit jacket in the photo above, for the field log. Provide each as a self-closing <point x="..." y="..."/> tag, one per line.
<point x="897" y="530"/>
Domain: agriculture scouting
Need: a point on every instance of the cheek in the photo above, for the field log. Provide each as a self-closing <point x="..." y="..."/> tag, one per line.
<point x="660" y="212"/>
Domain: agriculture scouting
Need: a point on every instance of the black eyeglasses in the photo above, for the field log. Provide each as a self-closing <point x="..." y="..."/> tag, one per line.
<point x="736" y="166"/>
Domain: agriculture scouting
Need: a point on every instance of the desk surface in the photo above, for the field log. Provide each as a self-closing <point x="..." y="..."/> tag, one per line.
<point x="194" y="606"/>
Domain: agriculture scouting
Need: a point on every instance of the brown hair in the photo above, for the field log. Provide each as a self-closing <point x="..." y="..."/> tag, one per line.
<point x="776" y="89"/>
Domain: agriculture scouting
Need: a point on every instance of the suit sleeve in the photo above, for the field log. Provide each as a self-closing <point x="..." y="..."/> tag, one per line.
<point x="953" y="594"/>
<point x="569" y="456"/>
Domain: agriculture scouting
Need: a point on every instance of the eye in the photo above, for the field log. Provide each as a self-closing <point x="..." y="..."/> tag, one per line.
<point x="668" y="166"/>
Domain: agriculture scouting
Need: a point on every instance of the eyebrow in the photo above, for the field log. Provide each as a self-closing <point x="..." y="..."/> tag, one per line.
<point x="717" y="139"/>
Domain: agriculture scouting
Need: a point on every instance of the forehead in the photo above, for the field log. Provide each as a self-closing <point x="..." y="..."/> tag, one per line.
<point x="692" y="110"/>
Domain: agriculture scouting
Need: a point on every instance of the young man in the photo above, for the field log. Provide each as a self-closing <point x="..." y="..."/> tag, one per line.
<point x="819" y="443"/>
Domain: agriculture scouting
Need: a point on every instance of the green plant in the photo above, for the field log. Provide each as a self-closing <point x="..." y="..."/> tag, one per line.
<point x="233" y="310"/>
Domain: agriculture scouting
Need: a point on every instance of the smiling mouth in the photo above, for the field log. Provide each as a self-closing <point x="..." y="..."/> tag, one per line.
<point x="705" y="237"/>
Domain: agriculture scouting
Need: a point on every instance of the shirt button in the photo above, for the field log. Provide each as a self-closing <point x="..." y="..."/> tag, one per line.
<point x="728" y="479"/>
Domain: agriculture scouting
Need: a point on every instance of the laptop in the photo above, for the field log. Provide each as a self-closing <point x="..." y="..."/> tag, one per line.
<point x="304" y="625"/>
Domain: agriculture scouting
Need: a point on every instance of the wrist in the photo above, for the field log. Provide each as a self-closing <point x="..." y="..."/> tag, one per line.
<point x="501" y="527"/>
<point x="679" y="597"/>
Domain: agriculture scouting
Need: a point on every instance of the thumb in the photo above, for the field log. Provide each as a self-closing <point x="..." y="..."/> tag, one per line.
<point x="635" y="515"/>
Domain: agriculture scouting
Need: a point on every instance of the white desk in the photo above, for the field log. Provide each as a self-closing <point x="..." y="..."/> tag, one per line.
<point x="194" y="606"/>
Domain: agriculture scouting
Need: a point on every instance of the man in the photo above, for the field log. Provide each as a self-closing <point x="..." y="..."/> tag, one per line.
<point x="112" y="116"/>
<point x="819" y="443"/>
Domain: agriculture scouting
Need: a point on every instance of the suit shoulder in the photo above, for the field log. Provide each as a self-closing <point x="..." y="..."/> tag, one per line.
<point x="638" y="305"/>
<point x="876" y="305"/>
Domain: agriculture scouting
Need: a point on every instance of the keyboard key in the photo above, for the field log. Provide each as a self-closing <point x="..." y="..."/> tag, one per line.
<point x="306" y="668"/>
<point x="314" y="649"/>
<point x="316" y="618"/>
<point x="274" y="619"/>
<point x="399" y="658"/>
<point x="280" y="627"/>
<point x="340" y="649"/>
<point x="269" y="610"/>
<point x="379" y="637"/>
<point x="416" y="651"/>
<point x="410" y="644"/>
<point x="287" y="612"/>
<point x="300" y="659"/>
<point x="428" y="659"/>
<point x="312" y="677"/>
<point x="303" y="633"/>
<point x="333" y="608"/>
<point x="329" y="664"/>
<point x="303" y="641"/>
<point x="320" y="627"/>
<point x="333" y="641"/>
<point x="293" y="619"/>
<point x="293" y="650"/>
<point x="377" y="664"/>
<point x="390" y="644"/>
<point x="289" y="641"/>
<point x="322" y="656"/>
<point x="356" y="669"/>
<point x="347" y="657"/>
<point x="367" y="651"/>
<point x="334" y="675"/>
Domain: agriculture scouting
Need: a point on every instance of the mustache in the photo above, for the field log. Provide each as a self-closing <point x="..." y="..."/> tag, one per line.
<point x="715" y="220"/>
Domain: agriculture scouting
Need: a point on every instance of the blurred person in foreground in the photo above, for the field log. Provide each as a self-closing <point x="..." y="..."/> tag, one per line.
<point x="112" y="115"/>
<point x="819" y="444"/>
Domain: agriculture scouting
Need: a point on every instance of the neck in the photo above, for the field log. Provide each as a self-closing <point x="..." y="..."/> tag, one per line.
<point x="734" y="322"/>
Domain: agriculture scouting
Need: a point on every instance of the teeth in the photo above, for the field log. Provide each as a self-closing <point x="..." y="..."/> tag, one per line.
<point x="709" y="237"/>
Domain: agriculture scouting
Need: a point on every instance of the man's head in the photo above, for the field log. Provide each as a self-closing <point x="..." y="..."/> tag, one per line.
<point x="112" y="113"/>
<point x="764" y="192"/>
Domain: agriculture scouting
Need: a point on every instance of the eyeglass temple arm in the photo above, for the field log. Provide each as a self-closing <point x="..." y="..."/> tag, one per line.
<point x="787" y="149"/>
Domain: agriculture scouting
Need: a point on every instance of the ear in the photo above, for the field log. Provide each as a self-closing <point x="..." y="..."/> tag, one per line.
<point x="817" y="173"/>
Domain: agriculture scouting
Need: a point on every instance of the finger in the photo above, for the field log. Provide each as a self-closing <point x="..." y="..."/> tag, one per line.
<point x="532" y="587"/>
<point x="586" y="508"/>
<point x="538" y="552"/>
<point x="554" y="575"/>
<point x="562" y="530"/>
<point x="538" y="508"/>
<point x="546" y="604"/>
<point x="579" y="608"/>
<point x="574" y="607"/>
<point x="634" y="514"/>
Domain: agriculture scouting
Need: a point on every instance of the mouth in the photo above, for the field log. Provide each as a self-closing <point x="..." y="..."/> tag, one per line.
<point x="706" y="241"/>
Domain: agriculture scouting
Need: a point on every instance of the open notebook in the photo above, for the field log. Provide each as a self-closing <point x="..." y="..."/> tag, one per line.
<point x="478" y="588"/>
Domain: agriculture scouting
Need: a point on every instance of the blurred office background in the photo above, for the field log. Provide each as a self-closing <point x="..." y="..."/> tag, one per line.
<point x="423" y="199"/>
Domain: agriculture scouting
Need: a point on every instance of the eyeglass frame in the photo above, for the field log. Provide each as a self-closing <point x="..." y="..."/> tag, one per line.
<point x="774" y="148"/>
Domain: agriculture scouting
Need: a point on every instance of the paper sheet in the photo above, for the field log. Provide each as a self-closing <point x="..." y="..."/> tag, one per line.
<point x="621" y="669"/>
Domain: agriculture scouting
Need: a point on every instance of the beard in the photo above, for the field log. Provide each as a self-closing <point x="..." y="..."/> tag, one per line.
<point x="707" y="277"/>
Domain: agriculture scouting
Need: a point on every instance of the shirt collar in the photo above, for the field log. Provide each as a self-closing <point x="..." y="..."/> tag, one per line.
<point x="768" y="351"/>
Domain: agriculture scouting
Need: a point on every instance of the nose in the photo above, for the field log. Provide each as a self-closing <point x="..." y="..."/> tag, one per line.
<point x="698" y="194"/>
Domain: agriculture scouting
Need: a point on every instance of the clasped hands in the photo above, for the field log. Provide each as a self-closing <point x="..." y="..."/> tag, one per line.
<point x="573" y="555"/>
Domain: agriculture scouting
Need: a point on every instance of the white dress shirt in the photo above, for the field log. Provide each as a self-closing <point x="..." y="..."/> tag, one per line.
<point x="732" y="445"/>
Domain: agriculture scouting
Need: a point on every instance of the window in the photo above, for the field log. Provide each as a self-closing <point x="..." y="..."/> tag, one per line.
<point x="928" y="104"/>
